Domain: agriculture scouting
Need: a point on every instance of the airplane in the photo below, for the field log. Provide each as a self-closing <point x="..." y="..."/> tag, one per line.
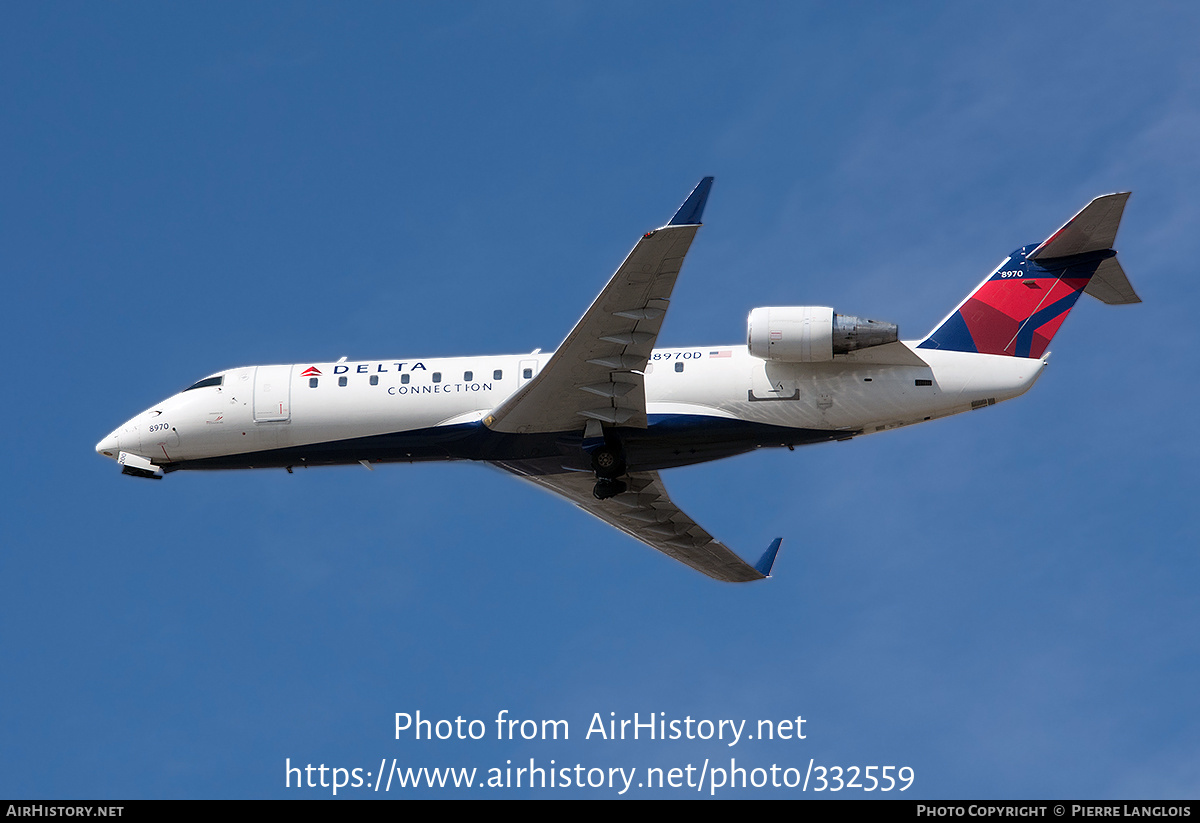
<point x="598" y="419"/>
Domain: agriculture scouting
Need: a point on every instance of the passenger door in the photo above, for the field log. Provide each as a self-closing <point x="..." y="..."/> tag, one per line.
<point x="272" y="394"/>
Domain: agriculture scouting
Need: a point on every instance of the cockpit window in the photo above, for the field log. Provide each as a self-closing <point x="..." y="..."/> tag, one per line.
<point x="206" y="382"/>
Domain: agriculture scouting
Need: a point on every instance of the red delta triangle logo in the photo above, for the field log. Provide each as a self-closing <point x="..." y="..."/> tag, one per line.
<point x="311" y="371"/>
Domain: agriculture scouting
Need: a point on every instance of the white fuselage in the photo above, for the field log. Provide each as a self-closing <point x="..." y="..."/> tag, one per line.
<point x="267" y="410"/>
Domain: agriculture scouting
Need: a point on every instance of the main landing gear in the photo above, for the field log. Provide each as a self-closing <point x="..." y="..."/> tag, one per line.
<point x="607" y="487"/>
<point x="609" y="466"/>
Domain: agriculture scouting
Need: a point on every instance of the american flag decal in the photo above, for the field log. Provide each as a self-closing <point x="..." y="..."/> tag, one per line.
<point x="720" y="353"/>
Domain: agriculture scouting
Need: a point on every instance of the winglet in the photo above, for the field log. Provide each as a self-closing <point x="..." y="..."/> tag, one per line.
<point x="692" y="210"/>
<point x="767" y="561"/>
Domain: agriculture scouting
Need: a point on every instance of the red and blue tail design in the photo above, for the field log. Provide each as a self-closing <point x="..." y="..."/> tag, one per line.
<point x="1020" y="306"/>
<point x="1017" y="310"/>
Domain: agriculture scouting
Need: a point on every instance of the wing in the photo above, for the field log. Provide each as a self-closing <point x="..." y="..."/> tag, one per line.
<point x="646" y="512"/>
<point x="596" y="374"/>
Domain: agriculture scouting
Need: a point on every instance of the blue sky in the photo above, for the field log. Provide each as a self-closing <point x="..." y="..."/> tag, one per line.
<point x="1003" y="601"/>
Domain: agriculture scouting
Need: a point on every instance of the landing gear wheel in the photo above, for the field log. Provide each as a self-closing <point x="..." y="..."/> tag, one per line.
<point x="607" y="463"/>
<point x="606" y="487"/>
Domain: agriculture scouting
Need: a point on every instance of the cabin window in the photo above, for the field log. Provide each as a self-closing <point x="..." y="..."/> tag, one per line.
<point x="206" y="382"/>
<point x="497" y="375"/>
<point x="374" y="380"/>
<point x="437" y="377"/>
<point x="404" y="378"/>
<point x="342" y="381"/>
<point x="468" y="376"/>
<point x="528" y="373"/>
<point x="312" y="382"/>
<point x="679" y="366"/>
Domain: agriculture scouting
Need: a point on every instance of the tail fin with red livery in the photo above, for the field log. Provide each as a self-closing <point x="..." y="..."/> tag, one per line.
<point x="1019" y="307"/>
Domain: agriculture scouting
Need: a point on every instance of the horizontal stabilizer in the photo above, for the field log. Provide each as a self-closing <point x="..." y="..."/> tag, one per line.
<point x="1093" y="229"/>
<point x="1110" y="285"/>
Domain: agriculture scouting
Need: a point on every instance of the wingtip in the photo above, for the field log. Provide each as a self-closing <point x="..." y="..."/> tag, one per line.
<point x="767" y="561"/>
<point x="692" y="210"/>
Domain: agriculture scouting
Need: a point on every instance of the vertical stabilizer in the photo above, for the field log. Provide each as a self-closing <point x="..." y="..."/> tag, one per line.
<point x="1019" y="307"/>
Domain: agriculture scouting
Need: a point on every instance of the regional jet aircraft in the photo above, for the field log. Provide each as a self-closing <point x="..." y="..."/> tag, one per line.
<point x="596" y="420"/>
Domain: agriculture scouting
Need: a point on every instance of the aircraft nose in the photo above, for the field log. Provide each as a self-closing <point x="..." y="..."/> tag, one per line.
<point x="109" y="446"/>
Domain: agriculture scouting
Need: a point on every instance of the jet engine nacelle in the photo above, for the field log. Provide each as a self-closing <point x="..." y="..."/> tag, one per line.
<point x="812" y="334"/>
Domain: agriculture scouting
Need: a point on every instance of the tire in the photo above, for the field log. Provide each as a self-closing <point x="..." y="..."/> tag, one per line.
<point x="607" y="463"/>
